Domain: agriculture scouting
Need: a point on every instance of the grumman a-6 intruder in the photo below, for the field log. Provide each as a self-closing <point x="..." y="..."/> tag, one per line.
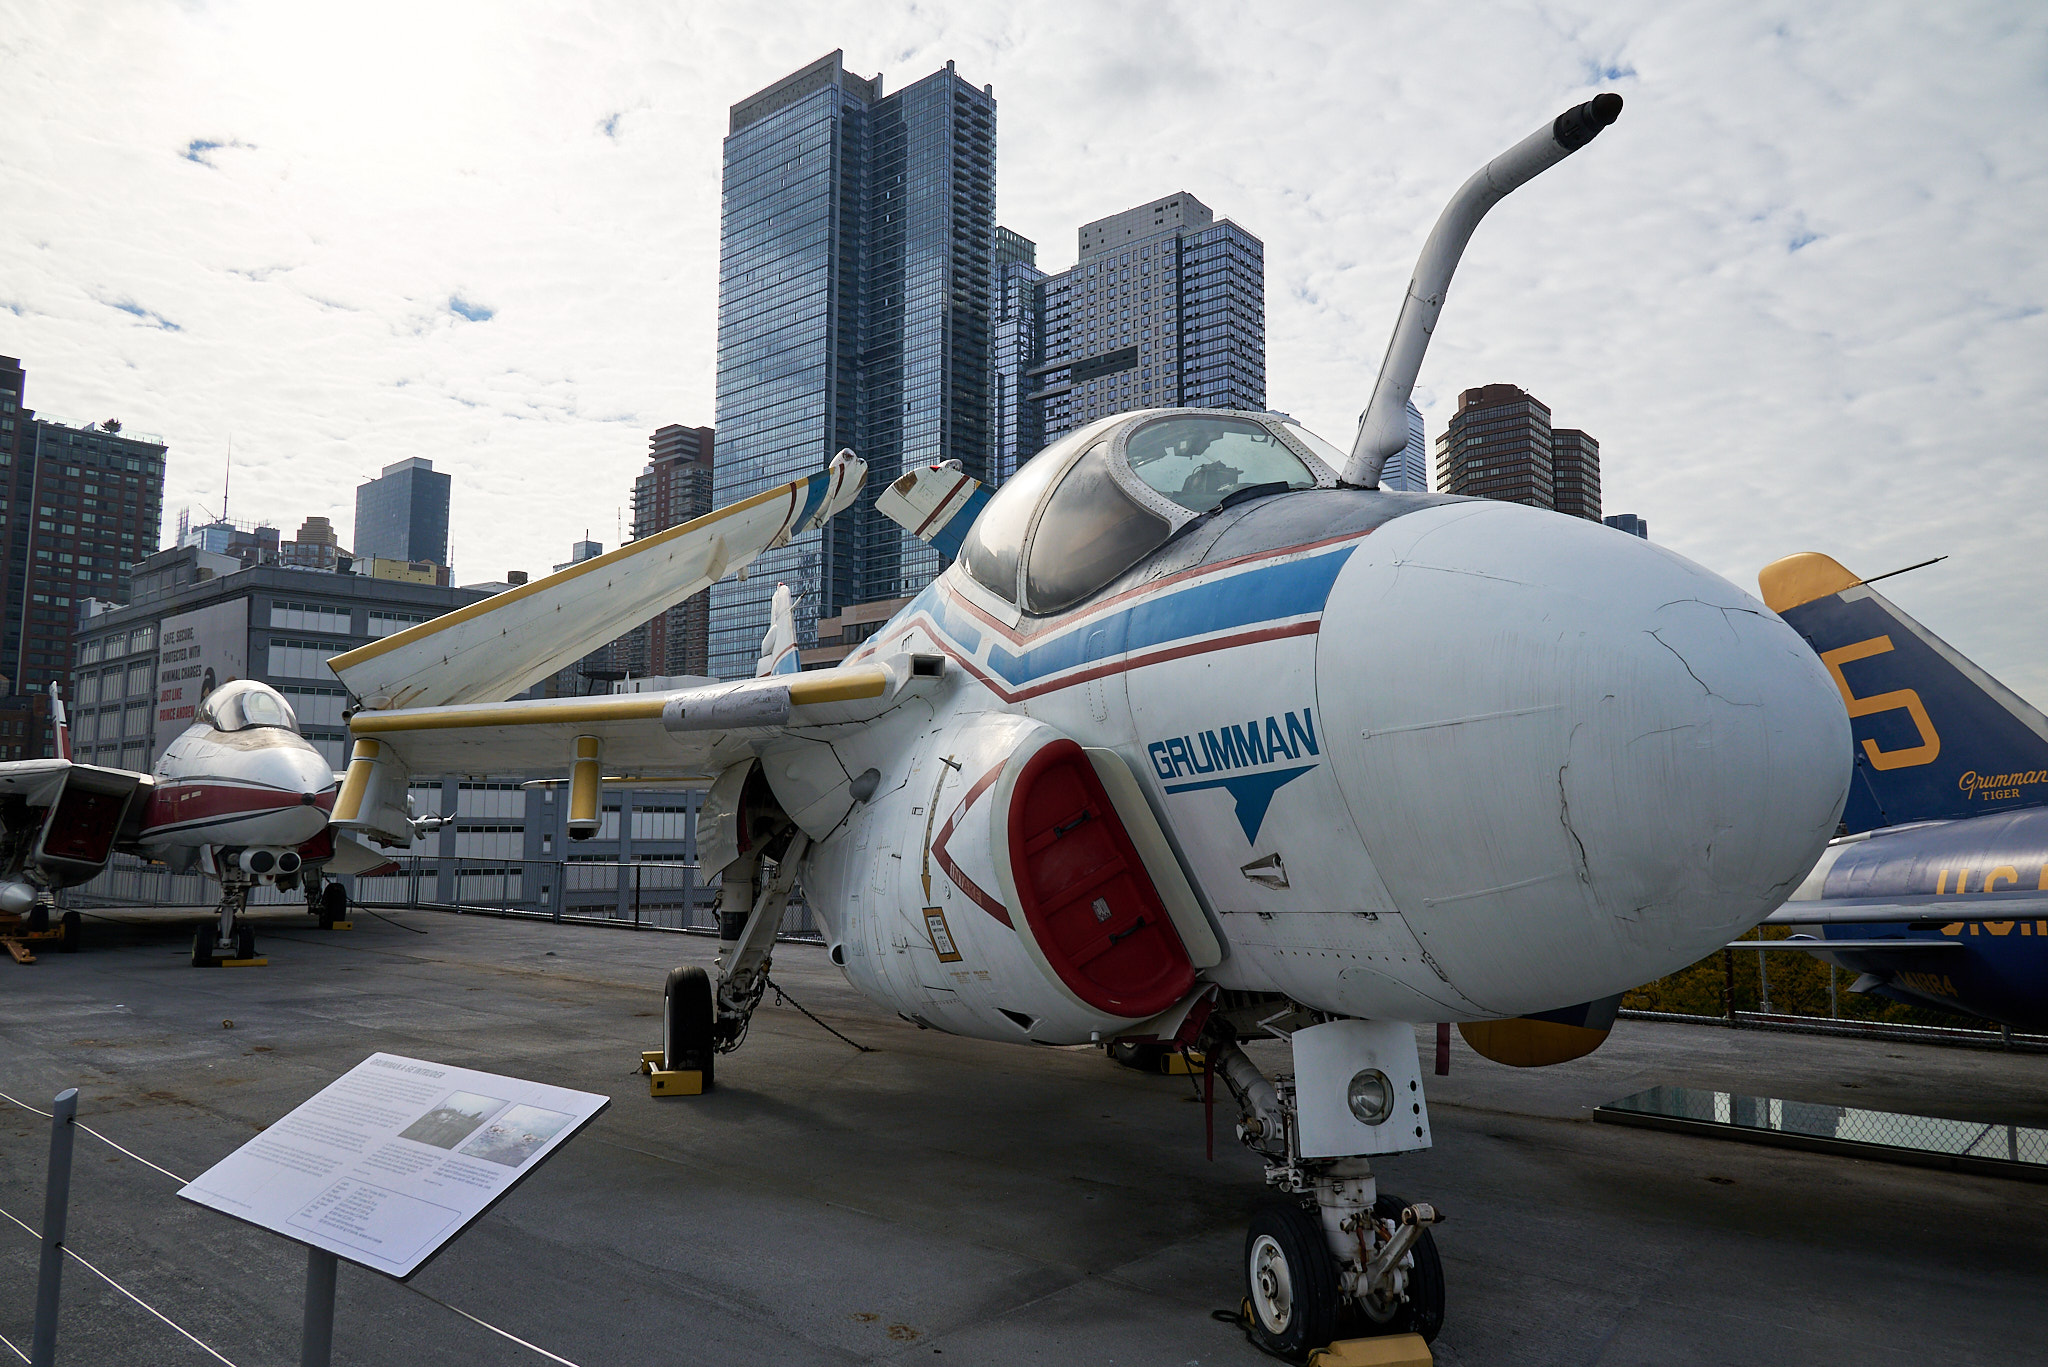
<point x="239" y="795"/>
<point x="1203" y="738"/>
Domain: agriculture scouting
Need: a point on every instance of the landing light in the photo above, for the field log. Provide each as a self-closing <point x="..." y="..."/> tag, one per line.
<point x="1371" y="1096"/>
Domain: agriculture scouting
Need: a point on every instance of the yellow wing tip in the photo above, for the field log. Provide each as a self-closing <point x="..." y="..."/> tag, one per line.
<point x="1801" y="578"/>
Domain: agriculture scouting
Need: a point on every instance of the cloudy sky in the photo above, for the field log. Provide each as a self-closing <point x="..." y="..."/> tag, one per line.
<point x="1797" y="292"/>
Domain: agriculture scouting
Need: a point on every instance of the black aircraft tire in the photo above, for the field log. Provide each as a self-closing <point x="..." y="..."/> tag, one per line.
<point x="1144" y="1055"/>
<point x="245" y="943"/>
<point x="687" y="1013"/>
<point x="1290" y="1281"/>
<point x="333" y="905"/>
<point x="203" y="940"/>
<point x="1423" y="1312"/>
<point x="73" y="929"/>
<point x="39" y="917"/>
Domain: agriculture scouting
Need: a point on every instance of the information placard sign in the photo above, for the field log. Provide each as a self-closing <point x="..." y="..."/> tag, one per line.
<point x="393" y="1159"/>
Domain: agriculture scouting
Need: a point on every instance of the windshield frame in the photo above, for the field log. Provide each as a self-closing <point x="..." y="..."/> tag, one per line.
<point x="1069" y="448"/>
<point x="225" y="710"/>
<point x="1178" y="514"/>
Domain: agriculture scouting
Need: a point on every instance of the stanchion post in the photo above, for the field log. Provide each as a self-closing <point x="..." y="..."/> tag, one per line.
<point x="56" y="1201"/>
<point x="316" y="1348"/>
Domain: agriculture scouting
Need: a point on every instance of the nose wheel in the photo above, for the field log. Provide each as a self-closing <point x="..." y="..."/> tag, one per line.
<point x="1290" y="1280"/>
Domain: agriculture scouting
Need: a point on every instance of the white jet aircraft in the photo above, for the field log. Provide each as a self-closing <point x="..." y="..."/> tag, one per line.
<point x="239" y="795"/>
<point x="1203" y="738"/>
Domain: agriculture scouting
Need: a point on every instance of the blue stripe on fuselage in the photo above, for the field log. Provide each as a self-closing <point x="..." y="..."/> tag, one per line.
<point x="1268" y="593"/>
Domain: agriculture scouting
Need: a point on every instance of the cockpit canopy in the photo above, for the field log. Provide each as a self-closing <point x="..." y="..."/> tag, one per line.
<point x="241" y="704"/>
<point x="1102" y="498"/>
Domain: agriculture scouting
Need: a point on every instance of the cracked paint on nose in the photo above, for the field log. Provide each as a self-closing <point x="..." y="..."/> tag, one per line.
<point x="1577" y="761"/>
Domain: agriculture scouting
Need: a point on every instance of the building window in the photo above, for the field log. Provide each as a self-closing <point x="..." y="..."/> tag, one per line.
<point x="302" y="659"/>
<point x="384" y="624"/>
<point x="138" y="681"/>
<point x="141" y="639"/>
<point x="309" y="617"/>
<point x="316" y="706"/>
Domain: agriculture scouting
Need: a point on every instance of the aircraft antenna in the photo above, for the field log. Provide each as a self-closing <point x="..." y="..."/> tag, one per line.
<point x="1383" y="427"/>
<point x="1907" y="570"/>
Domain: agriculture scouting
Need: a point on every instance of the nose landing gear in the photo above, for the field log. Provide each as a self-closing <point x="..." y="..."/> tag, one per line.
<point x="227" y="939"/>
<point x="1327" y="1253"/>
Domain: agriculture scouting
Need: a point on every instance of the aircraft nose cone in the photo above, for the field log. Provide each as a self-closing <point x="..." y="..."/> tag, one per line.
<point x="1578" y="761"/>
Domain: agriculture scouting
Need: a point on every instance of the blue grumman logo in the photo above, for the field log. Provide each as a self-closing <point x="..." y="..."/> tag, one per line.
<point x="1228" y="750"/>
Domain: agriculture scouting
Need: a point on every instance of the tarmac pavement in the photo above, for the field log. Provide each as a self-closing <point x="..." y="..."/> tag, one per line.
<point x="941" y="1199"/>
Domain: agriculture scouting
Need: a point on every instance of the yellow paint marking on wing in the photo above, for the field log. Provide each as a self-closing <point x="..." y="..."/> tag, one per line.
<point x="498" y="600"/>
<point x="628" y="707"/>
<point x="837" y="685"/>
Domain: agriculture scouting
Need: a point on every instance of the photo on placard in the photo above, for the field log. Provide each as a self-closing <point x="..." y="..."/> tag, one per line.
<point x="513" y="1137"/>
<point x="453" y="1121"/>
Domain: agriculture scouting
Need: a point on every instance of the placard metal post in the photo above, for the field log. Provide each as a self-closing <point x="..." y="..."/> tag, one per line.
<point x="316" y="1347"/>
<point x="56" y="1200"/>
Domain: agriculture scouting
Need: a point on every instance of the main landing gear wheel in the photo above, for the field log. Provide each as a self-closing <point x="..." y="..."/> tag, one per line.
<point x="1143" y="1055"/>
<point x="1290" y="1281"/>
<point x="73" y="928"/>
<point x="203" y="941"/>
<point x="245" y="943"/>
<point x="1423" y="1312"/>
<point x="333" y="905"/>
<point x="687" y="1012"/>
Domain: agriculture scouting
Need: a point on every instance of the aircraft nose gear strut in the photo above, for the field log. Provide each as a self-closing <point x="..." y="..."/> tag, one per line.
<point x="746" y="948"/>
<point x="228" y="939"/>
<point x="1327" y="1251"/>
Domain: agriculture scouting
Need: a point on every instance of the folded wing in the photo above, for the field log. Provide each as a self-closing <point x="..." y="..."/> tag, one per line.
<point x="492" y="650"/>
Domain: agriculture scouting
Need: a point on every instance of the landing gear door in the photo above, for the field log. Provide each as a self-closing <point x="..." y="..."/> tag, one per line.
<point x="81" y="825"/>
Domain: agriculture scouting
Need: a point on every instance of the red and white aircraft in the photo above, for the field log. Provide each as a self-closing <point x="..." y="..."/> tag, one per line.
<point x="240" y="795"/>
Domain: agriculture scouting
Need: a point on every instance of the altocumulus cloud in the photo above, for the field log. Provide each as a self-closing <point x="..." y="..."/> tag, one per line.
<point x="1795" y="292"/>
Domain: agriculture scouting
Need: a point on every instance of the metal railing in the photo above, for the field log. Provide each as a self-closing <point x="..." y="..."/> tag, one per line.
<point x="640" y="894"/>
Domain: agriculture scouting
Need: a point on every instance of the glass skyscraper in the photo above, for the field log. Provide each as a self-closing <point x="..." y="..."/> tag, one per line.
<point x="403" y="513"/>
<point x="1017" y="340"/>
<point x="855" y="272"/>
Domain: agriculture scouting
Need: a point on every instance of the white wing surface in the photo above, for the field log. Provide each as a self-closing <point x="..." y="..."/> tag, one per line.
<point x="491" y="650"/>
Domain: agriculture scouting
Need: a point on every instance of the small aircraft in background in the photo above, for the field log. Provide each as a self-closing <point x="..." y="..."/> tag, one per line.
<point x="1203" y="738"/>
<point x="1937" y="893"/>
<point x="240" y="795"/>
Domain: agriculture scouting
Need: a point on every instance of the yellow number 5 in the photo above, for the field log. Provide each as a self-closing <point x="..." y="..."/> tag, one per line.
<point x="1896" y="700"/>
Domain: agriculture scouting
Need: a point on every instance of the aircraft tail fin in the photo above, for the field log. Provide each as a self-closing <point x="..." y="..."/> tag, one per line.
<point x="778" y="647"/>
<point x="1937" y="738"/>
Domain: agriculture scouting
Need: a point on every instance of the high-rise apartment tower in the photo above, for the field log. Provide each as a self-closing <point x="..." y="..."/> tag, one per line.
<point x="674" y="488"/>
<point x="855" y="271"/>
<point x="1165" y="308"/>
<point x="83" y="504"/>
<point x="1500" y="444"/>
<point x="1575" y="473"/>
